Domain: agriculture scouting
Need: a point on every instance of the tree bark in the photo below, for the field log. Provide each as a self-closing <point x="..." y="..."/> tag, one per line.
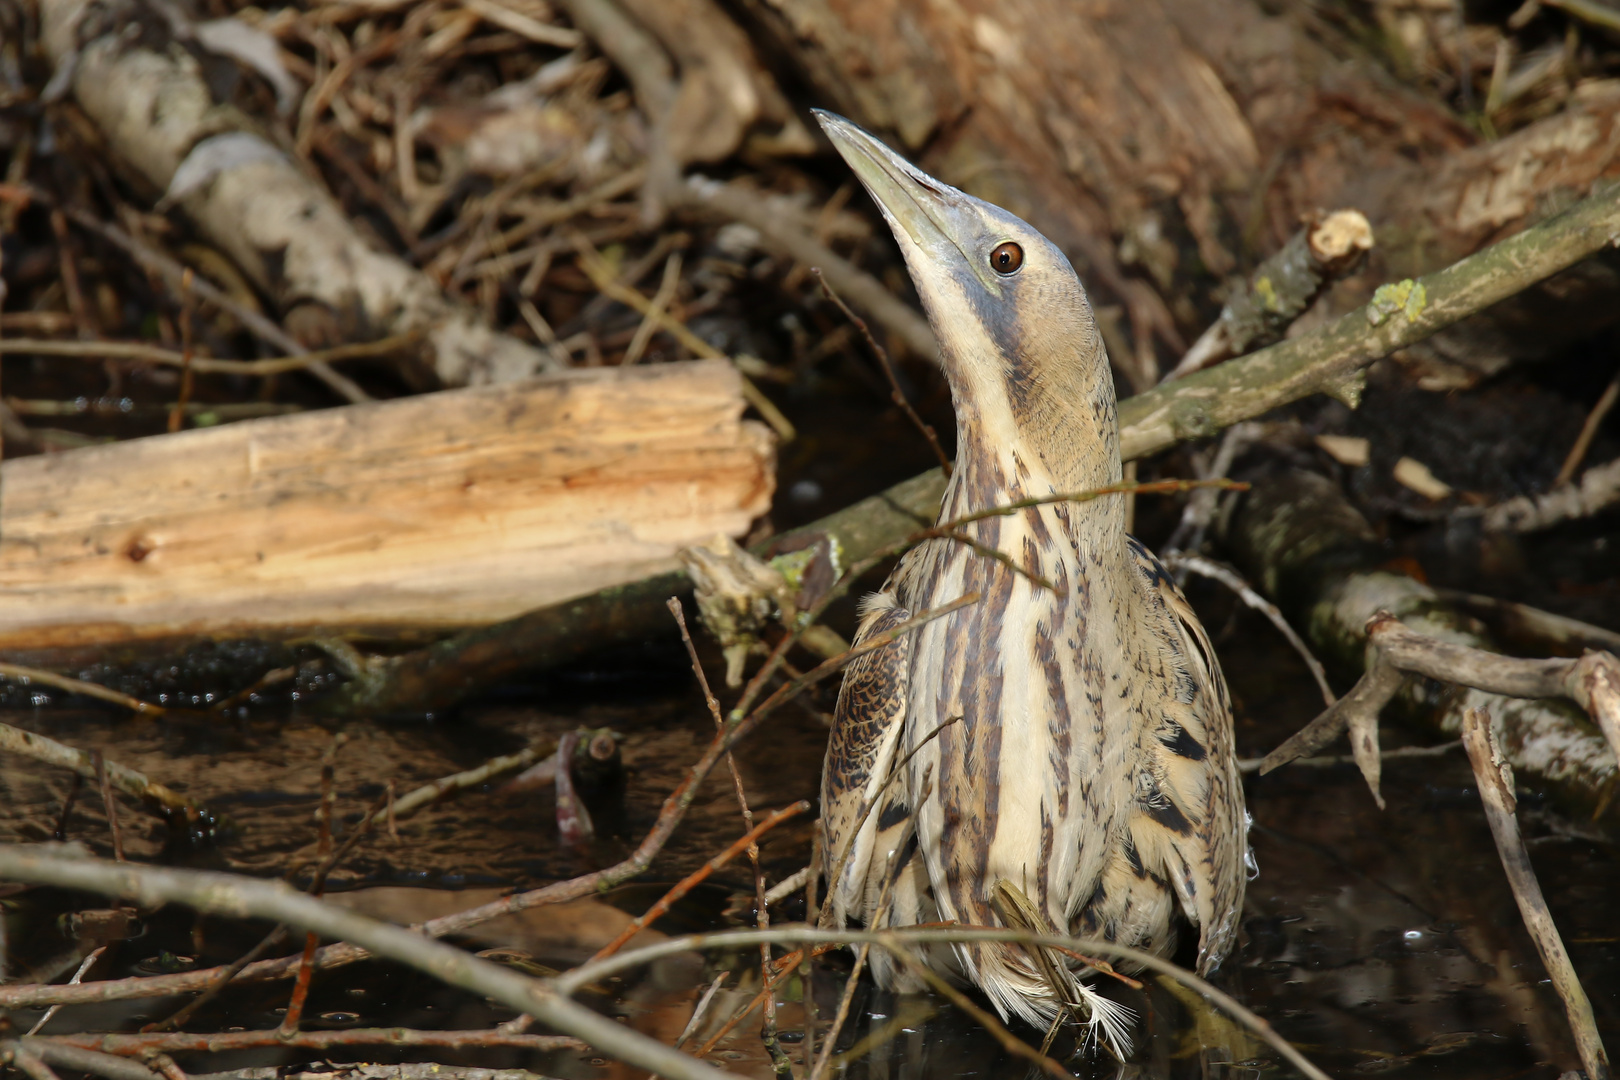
<point x="1164" y="144"/>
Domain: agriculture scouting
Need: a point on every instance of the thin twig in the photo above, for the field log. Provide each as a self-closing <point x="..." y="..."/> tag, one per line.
<point x="17" y="741"/>
<point x="1400" y="753"/>
<point x="702" y="1009"/>
<point x="156" y="354"/>
<point x="27" y="675"/>
<point x="323" y="832"/>
<point x="660" y="303"/>
<point x="175" y="1042"/>
<point x="174" y="272"/>
<point x="596" y="268"/>
<point x="697" y="877"/>
<point x="1495" y="778"/>
<point x="177" y="415"/>
<point x="1589" y="430"/>
<point x="895" y="393"/>
<point x="1233" y="580"/>
<point x="99" y="763"/>
<point x="78" y="976"/>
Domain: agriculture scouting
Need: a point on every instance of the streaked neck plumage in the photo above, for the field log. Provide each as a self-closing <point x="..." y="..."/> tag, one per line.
<point x="1038" y="423"/>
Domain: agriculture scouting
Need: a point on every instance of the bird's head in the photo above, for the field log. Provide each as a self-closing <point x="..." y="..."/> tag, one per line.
<point x="1016" y="334"/>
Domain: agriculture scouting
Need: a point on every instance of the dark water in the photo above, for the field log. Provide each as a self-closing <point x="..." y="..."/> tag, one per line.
<point x="1379" y="942"/>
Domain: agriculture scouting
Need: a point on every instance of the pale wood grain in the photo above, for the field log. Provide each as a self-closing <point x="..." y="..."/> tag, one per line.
<point x="443" y="510"/>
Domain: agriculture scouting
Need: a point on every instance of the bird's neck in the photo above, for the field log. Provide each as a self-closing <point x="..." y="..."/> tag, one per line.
<point x="1031" y="441"/>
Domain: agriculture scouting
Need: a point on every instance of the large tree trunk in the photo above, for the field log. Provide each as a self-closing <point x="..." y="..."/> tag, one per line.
<point x="1165" y="144"/>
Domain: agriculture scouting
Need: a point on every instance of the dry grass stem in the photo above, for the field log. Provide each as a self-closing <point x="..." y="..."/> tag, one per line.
<point x="895" y="393"/>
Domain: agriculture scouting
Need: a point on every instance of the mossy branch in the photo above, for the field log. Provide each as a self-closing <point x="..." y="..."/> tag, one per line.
<point x="1328" y="360"/>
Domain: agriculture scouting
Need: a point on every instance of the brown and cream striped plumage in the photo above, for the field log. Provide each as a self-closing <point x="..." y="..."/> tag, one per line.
<point x="1092" y="764"/>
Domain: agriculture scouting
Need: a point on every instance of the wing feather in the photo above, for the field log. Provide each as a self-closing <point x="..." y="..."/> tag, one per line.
<point x="1195" y="828"/>
<point x="867" y="723"/>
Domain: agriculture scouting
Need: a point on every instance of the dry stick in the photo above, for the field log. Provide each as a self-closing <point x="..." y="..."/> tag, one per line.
<point x="78" y="977"/>
<point x="1597" y="489"/>
<point x="1233" y="580"/>
<point x="177" y="415"/>
<point x="270" y="941"/>
<point x="99" y="763"/>
<point x="701" y="1009"/>
<point x="75" y="786"/>
<point x="697" y="877"/>
<point x="244" y="897"/>
<point x="595" y="267"/>
<point x="156" y="354"/>
<point x="660" y="303"/>
<point x="1281" y="288"/>
<point x="17" y="741"/>
<point x="56" y="1052"/>
<point x="431" y="793"/>
<point x="26" y="675"/>
<point x="1583" y="441"/>
<point x="1495" y="778"/>
<point x="174" y="272"/>
<point x="762" y="908"/>
<point x="895" y="393"/>
<point x="31" y="1066"/>
<point x="217" y="1042"/>
<point x="1393" y="649"/>
<point x="1253" y="765"/>
<point x="323" y="831"/>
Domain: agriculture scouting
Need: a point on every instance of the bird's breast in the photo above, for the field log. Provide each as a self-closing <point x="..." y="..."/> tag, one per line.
<point x="1029" y="782"/>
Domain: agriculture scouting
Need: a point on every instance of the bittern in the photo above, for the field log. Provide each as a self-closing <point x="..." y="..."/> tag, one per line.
<point x="1063" y="747"/>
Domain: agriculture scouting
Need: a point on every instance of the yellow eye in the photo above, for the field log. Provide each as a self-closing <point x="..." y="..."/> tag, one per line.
<point x="1007" y="258"/>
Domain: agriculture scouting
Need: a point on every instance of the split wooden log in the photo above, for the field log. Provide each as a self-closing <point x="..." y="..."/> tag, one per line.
<point x="435" y="512"/>
<point x="284" y="230"/>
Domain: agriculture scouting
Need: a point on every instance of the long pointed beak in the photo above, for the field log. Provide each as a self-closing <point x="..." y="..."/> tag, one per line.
<point x="912" y="201"/>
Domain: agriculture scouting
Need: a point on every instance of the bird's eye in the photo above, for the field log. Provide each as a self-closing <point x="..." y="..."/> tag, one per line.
<point x="1006" y="258"/>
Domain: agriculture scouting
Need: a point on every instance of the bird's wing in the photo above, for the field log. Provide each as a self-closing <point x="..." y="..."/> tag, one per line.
<point x="1194" y="825"/>
<point x="860" y="755"/>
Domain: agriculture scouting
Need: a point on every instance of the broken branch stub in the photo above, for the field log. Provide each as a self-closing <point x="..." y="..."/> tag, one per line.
<point x="1592" y="681"/>
<point x="1262" y="308"/>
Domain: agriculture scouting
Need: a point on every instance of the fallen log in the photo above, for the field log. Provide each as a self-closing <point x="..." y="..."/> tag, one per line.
<point x="423" y="514"/>
<point x="1298" y="538"/>
<point x="1329" y="359"/>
